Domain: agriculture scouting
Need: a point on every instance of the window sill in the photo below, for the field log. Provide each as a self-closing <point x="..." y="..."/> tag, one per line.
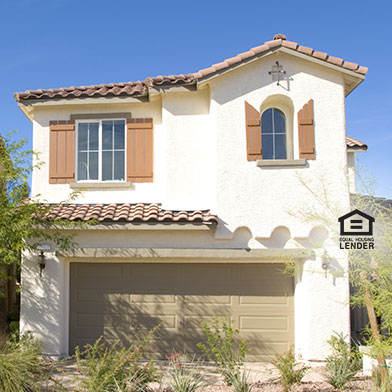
<point x="102" y="185"/>
<point x="281" y="162"/>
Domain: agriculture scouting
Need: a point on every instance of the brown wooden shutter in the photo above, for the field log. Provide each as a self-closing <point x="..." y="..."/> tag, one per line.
<point x="306" y="131"/>
<point x="253" y="133"/>
<point x="140" y="150"/>
<point x="62" y="152"/>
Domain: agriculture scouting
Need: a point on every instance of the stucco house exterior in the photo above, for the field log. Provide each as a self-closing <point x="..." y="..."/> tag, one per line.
<point x="195" y="181"/>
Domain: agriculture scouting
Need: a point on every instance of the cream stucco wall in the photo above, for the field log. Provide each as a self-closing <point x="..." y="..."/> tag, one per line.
<point x="200" y="163"/>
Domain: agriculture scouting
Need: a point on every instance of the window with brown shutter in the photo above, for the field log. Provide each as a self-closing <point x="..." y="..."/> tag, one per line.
<point x="140" y="150"/>
<point x="106" y="150"/>
<point x="62" y="152"/>
<point x="253" y="133"/>
<point x="306" y="131"/>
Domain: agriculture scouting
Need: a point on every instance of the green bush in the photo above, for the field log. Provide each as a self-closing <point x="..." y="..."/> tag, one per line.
<point x="291" y="372"/>
<point x="241" y="383"/>
<point x="13" y="328"/>
<point x="115" y="368"/>
<point x="20" y="365"/>
<point x="343" y="363"/>
<point x="185" y="375"/>
<point x="224" y="347"/>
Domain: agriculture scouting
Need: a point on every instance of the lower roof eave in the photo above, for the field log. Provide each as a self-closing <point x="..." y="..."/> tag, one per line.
<point x="192" y="254"/>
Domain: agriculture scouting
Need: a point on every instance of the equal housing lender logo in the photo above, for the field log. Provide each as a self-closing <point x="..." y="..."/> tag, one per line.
<point x="356" y="230"/>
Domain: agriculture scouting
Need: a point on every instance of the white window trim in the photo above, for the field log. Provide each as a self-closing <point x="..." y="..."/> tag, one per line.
<point x="99" y="180"/>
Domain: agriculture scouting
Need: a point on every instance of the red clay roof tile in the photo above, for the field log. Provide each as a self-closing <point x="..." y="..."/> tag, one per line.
<point x="355" y="144"/>
<point x="151" y="213"/>
<point x="140" y="88"/>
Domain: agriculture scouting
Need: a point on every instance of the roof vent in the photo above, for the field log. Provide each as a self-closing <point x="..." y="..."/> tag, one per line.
<point x="280" y="36"/>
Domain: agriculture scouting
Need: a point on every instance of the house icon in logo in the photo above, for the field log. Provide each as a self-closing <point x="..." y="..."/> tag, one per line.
<point x="356" y="223"/>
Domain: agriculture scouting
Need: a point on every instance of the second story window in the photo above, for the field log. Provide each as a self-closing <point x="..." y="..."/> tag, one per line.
<point x="273" y="134"/>
<point x="101" y="150"/>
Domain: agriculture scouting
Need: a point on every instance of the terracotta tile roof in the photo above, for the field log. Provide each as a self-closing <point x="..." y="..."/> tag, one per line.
<point x="102" y="90"/>
<point x="135" y="213"/>
<point x="140" y="88"/>
<point x="355" y="144"/>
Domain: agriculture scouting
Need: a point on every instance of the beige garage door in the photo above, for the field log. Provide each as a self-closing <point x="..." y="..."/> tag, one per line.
<point x="114" y="299"/>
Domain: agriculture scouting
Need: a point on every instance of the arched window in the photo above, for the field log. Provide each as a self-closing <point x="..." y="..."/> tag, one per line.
<point x="273" y="134"/>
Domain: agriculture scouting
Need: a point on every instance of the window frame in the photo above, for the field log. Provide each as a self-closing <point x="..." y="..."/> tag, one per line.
<point x="282" y="112"/>
<point x="100" y="150"/>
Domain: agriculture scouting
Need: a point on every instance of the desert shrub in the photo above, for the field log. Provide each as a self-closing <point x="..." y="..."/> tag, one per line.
<point x="343" y="363"/>
<point x="20" y="365"/>
<point x="185" y="374"/>
<point x="241" y="383"/>
<point x="291" y="372"/>
<point x="224" y="347"/>
<point x="115" y="368"/>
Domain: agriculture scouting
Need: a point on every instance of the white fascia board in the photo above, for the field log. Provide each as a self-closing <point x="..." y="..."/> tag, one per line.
<point x="350" y="149"/>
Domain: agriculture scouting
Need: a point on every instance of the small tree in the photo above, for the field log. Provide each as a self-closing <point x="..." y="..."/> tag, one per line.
<point x="24" y="223"/>
<point x="224" y="347"/>
<point x="291" y="372"/>
<point x="370" y="270"/>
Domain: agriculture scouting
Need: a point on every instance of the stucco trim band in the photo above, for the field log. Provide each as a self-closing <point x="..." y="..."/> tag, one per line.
<point x="186" y="253"/>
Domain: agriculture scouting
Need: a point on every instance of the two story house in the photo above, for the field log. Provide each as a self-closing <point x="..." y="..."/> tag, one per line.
<point x="196" y="183"/>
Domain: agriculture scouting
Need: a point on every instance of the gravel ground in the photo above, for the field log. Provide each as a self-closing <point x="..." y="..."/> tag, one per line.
<point x="355" y="386"/>
<point x="264" y="376"/>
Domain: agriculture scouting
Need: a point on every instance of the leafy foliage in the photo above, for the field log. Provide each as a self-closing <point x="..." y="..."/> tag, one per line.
<point x="115" y="368"/>
<point x="291" y="372"/>
<point x="241" y="383"/>
<point x="343" y="364"/>
<point x="224" y="347"/>
<point x="20" y="365"/>
<point x="185" y="375"/>
<point x="24" y="223"/>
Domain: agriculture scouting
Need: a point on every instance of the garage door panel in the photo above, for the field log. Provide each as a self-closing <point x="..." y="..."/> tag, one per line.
<point x="100" y="295"/>
<point x="211" y="276"/>
<point x="193" y="322"/>
<point x="277" y="299"/>
<point x="161" y="275"/>
<point x="117" y="303"/>
<point x="150" y="322"/>
<point x="252" y="323"/>
<point x="89" y="333"/>
<point x="153" y="299"/>
<point x="246" y="272"/>
<point x="207" y="299"/>
<point x="209" y="311"/>
<point x="106" y="271"/>
<point x="89" y="320"/>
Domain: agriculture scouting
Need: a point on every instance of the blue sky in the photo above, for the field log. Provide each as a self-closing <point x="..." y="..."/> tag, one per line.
<point x="58" y="43"/>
